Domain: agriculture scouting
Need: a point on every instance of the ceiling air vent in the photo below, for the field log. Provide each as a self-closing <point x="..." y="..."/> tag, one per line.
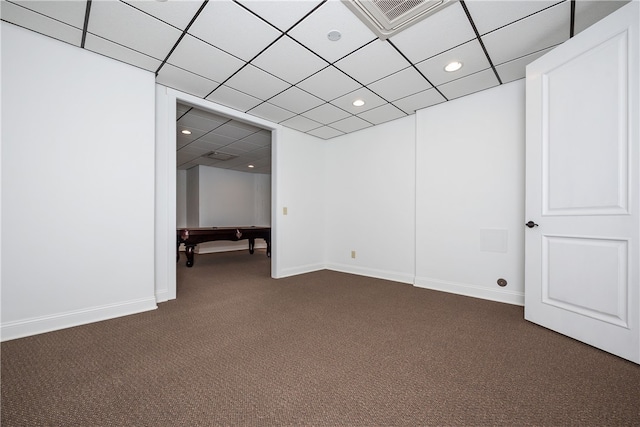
<point x="387" y="17"/>
<point x="217" y="155"/>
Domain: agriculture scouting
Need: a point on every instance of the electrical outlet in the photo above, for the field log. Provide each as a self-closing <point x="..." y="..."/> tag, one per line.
<point x="353" y="254"/>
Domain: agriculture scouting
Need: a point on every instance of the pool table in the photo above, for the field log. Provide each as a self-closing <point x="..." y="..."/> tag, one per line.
<point x="192" y="236"/>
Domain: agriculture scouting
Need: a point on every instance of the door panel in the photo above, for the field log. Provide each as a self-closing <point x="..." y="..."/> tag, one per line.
<point x="594" y="132"/>
<point x="582" y="261"/>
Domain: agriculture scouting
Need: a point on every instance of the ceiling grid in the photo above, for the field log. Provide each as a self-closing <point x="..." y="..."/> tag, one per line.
<point x="303" y="63"/>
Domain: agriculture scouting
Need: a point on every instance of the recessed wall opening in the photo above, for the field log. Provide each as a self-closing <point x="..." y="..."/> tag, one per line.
<point x="223" y="179"/>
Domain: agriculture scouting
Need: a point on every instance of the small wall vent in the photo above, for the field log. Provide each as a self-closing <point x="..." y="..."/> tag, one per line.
<point x="217" y="155"/>
<point x="388" y="17"/>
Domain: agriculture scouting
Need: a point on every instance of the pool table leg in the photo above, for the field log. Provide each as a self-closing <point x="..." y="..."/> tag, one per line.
<point x="189" y="250"/>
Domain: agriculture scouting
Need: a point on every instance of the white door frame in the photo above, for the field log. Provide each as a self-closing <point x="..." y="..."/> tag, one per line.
<point x="165" y="183"/>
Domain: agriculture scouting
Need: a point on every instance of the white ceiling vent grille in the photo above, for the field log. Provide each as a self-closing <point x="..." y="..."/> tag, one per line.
<point x="217" y="155"/>
<point x="387" y="17"/>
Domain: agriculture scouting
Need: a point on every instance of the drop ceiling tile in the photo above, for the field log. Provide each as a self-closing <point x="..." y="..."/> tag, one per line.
<point x="69" y="12"/>
<point x="194" y="150"/>
<point x="123" y="24"/>
<point x="187" y="139"/>
<point x="228" y="149"/>
<point x="351" y="124"/>
<point x="257" y="157"/>
<point x="301" y="123"/>
<point x="177" y="13"/>
<point x="588" y="12"/>
<point x="182" y="158"/>
<point x="277" y="61"/>
<point x="205" y="147"/>
<point x="469" y="84"/>
<point x="382" y="114"/>
<point x="258" y="83"/>
<point x="121" y="53"/>
<point x="516" y="69"/>
<point x="540" y="31"/>
<point x="371" y="101"/>
<point x="374" y="61"/>
<point x="329" y="84"/>
<point x="285" y="15"/>
<point x="470" y="54"/>
<point x="187" y="165"/>
<point x="332" y="15"/>
<point x="434" y="34"/>
<point x="232" y="98"/>
<point x="261" y="138"/>
<point x="203" y="59"/>
<point x="233" y="29"/>
<point x="193" y="122"/>
<point x="296" y="100"/>
<point x="326" y="113"/>
<point x="401" y="84"/>
<point x="489" y="15"/>
<point x="34" y="21"/>
<point x="419" y="101"/>
<point x="218" y="140"/>
<point x="271" y="112"/>
<point x="209" y="115"/>
<point x="243" y="146"/>
<point x="234" y="130"/>
<point x="185" y="81"/>
<point x="184" y="140"/>
<point x="181" y="109"/>
<point x="325" y="132"/>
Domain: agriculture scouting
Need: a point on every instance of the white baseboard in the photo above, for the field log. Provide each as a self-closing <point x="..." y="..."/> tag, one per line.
<point x="294" y="271"/>
<point x="40" y="325"/>
<point x="238" y="246"/>
<point x="163" y="296"/>
<point x="371" y="272"/>
<point x="500" y="295"/>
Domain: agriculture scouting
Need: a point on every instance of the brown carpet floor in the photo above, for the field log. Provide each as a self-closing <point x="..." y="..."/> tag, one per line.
<point x="320" y="349"/>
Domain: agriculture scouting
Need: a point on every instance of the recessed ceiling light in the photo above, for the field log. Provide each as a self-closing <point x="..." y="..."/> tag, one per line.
<point x="334" y="35"/>
<point x="186" y="132"/>
<point x="453" y="66"/>
<point x="358" y="103"/>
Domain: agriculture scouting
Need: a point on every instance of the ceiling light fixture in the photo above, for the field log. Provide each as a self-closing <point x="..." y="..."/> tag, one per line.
<point x="251" y="166"/>
<point x="453" y="66"/>
<point x="334" y="35"/>
<point x="358" y="103"/>
<point x="186" y="132"/>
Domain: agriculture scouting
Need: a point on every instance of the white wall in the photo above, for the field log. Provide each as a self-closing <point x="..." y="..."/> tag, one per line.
<point x="181" y="198"/>
<point x="470" y="194"/>
<point x="193" y="197"/>
<point x="77" y="186"/>
<point x="370" y="201"/>
<point x="227" y="198"/>
<point x="299" y="186"/>
<point x="230" y="198"/>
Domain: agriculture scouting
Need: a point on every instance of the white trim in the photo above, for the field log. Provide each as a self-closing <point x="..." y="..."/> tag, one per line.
<point x="229" y="247"/>
<point x="165" y="231"/>
<point x="372" y="272"/>
<point x="294" y="271"/>
<point x="476" y="291"/>
<point x="39" y="325"/>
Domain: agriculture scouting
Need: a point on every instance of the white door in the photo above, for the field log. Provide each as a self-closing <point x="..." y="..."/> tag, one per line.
<point x="582" y="187"/>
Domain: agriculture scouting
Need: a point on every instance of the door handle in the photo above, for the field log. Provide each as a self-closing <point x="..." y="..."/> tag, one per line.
<point x="531" y="224"/>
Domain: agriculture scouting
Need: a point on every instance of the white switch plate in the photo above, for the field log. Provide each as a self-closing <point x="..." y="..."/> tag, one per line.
<point x="353" y="254"/>
<point x="284" y="211"/>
